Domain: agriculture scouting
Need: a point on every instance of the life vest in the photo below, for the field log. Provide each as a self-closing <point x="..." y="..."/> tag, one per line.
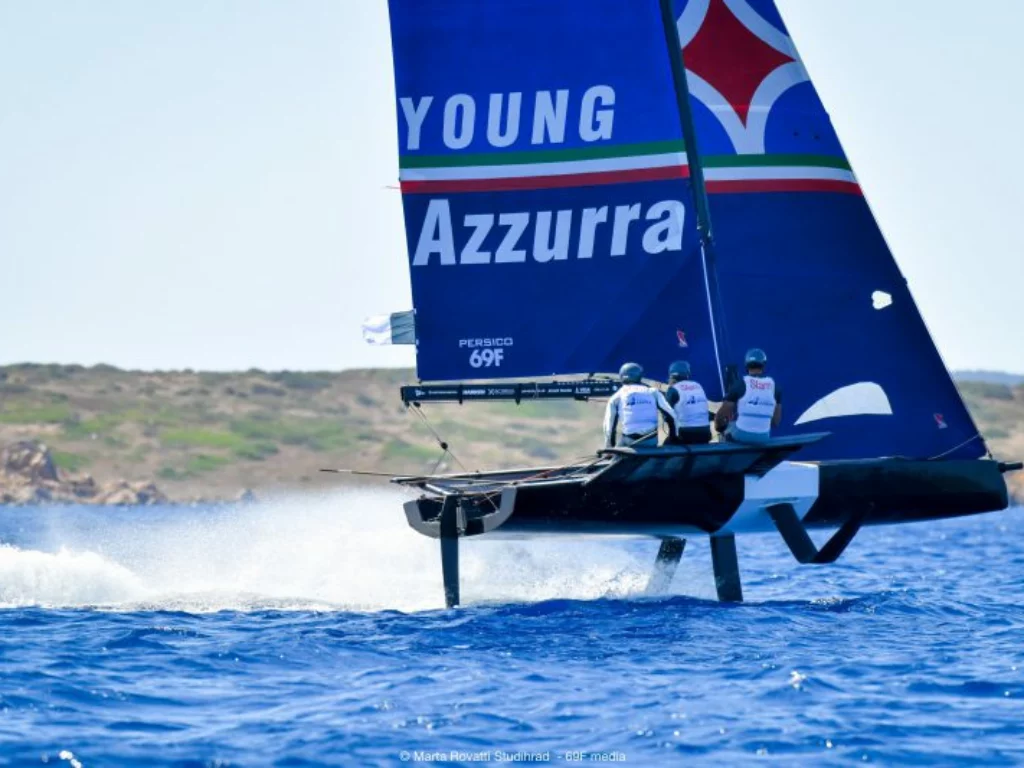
<point x="639" y="409"/>
<point x="691" y="408"/>
<point x="755" y="409"/>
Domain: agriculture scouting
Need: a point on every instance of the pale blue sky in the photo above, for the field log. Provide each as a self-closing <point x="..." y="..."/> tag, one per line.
<point x="206" y="184"/>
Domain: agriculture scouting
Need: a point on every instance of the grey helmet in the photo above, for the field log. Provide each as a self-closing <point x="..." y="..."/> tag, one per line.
<point x="679" y="371"/>
<point x="755" y="357"/>
<point x="631" y="373"/>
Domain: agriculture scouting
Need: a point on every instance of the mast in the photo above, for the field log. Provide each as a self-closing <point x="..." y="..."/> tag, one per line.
<point x="727" y="373"/>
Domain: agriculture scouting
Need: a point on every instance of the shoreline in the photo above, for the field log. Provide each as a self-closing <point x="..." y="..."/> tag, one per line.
<point x="29" y="477"/>
<point x="122" y="437"/>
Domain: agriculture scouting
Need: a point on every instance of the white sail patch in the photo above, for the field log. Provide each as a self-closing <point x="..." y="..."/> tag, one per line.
<point x="547" y="236"/>
<point x="862" y="399"/>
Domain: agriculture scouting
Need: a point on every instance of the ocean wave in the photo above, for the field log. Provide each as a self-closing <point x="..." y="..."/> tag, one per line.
<point x="311" y="632"/>
<point x="349" y="551"/>
<point x="63" y="578"/>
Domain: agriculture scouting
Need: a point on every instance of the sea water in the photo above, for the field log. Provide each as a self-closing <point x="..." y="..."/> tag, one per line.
<point x="310" y="631"/>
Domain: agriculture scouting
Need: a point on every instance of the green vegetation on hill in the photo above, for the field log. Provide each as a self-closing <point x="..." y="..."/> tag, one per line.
<point x="210" y="434"/>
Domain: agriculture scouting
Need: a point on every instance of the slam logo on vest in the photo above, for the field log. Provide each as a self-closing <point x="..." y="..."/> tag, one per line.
<point x="681" y="338"/>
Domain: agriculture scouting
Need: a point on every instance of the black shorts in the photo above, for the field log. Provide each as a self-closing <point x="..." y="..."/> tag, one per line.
<point x="690" y="436"/>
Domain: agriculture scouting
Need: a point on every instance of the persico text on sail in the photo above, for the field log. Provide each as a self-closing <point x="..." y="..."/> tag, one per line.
<point x="527" y="233"/>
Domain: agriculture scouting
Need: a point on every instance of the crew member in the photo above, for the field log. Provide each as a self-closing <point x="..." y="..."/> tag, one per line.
<point x="690" y="405"/>
<point x="635" y="408"/>
<point x="753" y="405"/>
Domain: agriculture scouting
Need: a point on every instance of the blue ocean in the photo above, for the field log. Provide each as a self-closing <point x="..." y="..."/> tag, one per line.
<point x="309" y="631"/>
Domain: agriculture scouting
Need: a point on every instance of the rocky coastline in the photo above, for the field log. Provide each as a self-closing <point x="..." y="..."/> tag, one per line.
<point x="29" y="476"/>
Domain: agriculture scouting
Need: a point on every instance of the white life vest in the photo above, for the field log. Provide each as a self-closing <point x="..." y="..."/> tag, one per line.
<point x="639" y="404"/>
<point x="691" y="408"/>
<point x="756" y="408"/>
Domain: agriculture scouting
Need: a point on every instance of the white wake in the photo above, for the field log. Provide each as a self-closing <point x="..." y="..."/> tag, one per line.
<point x="346" y="551"/>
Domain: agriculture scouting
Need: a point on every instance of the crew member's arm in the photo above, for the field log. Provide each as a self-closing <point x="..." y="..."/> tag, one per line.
<point x="666" y="412"/>
<point x="777" y="416"/>
<point x="727" y="411"/>
<point x="671" y="397"/>
<point x="611" y="420"/>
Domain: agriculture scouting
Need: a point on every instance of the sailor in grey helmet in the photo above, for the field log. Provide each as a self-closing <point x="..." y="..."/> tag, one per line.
<point x="635" y="409"/>
<point x="690" y="405"/>
<point x="752" y="406"/>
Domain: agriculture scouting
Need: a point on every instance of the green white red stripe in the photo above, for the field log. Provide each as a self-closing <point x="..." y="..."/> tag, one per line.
<point x="590" y="166"/>
<point x="779" y="173"/>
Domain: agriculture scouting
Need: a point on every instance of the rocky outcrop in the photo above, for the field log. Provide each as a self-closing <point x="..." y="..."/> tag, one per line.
<point x="245" y="496"/>
<point x="28" y="475"/>
<point x="28" y="460"/>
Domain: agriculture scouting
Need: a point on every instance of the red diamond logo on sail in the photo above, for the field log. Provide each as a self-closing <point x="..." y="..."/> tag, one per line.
<point x="681" y="335"/>
<point x="940" y="421"/>
<point x="732" y="59"/>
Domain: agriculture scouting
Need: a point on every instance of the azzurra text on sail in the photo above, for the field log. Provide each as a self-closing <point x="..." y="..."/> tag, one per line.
<point x="448" y="237"/>
<point x="502" y="239"/>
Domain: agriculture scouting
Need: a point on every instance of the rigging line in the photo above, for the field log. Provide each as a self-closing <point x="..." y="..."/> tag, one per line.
<point x="368" y="472"/>
<point x="712" y="289"/>
<point x="575" y="469"/>
<point x="446" y="450"/>
<point x="438" y="462"/>
<point x="711" y="316"/>
<point x="499" y="485"/>
<point x="578" y="464"/>
<point x="572" y="470"/>
<point x="969" y="440"/>
<point x="444" y="445"/>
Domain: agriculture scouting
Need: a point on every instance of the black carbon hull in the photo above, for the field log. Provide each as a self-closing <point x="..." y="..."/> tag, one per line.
<point x="893" y="491"/>
<point x="715" y="490"/>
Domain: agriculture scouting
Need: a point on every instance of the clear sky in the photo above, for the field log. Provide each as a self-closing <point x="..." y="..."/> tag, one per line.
<point x="210" y="184"/>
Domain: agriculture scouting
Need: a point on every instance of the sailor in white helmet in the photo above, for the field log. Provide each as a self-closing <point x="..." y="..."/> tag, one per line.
<point x="635" y="409"/>
<point x="690" y="404"/>
<point x="752" y="406"/>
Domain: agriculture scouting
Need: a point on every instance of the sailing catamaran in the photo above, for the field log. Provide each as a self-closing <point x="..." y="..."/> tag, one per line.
<point x="586" y="183"/>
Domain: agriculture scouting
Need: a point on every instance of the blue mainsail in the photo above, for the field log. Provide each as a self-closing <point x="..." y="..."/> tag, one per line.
<point x="548" y="209"/>
<point x="803" y="268"/>
<point x="552" y="222"/>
